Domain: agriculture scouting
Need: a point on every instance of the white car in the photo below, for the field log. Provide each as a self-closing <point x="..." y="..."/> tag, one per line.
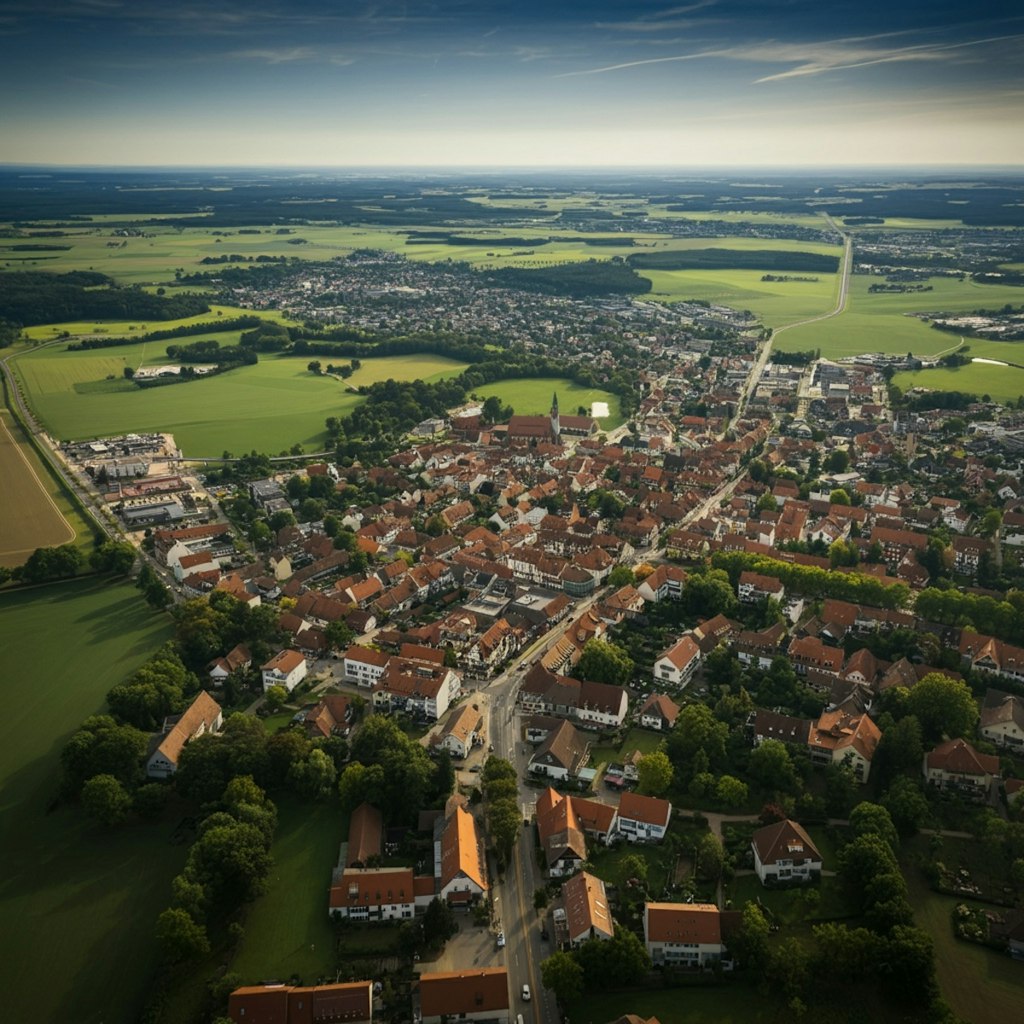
<point x="526" y="993"/>
<point x="500" y="940"/>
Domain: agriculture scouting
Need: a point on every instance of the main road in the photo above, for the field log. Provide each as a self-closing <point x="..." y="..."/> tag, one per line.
<point x="766" y="348"/>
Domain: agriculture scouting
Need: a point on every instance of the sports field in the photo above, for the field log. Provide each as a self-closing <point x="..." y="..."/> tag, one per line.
<point x="77" y="903"/>
<point x="532" y="397"/>
<point x="268" y="407"/>
<point x="30" y="516"/>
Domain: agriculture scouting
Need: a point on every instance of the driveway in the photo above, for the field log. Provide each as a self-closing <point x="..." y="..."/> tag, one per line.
<point x="472" y="946"/>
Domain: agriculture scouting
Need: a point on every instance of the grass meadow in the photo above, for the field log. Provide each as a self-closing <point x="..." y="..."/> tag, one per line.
<point x="530" y="396"/>
<point x="269" y="406"/>
<point x="77" y="903"/>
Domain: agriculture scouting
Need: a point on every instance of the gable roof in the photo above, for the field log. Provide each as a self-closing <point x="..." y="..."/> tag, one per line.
<point x="372" y="887"/>
<point x="784" y="840"/>
<point x="460" y="849"/>
<point x="451" y="993"/>
<point x="286" y="1004"/>
<point x="586" y="905"/>
<point x="201" y="713"/>
<point x="365" y="835"/>
<point x="649" y="809"/>
<point x="683" y="922"/>
<point x="958" y="757"/>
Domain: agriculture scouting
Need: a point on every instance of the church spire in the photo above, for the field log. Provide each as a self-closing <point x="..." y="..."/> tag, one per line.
<point x="556" y="425"/>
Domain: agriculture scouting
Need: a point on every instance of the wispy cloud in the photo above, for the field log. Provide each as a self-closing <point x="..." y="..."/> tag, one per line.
<point x="816" y="58"/>
<point x="282" y="55"/>
<point x="659" y="21"/>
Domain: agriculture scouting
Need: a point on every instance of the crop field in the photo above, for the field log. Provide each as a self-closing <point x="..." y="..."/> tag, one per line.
<point x="269" y="406"/>
<point x="532" y="397"/>
<point x="77" y="903"/>
<point x="879" y="322"/>
<point x="29" y="515"/>
<point x="1000" y="383"/>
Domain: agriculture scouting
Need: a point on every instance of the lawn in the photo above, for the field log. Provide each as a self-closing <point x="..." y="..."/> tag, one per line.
<point x="77" y="904"/>
<point x="287" y="930"/>
<point x="735" y="1003"/>
<point x="981" y="985"/>
<point x="269" y="406"/>
<point x="531" y="396"/>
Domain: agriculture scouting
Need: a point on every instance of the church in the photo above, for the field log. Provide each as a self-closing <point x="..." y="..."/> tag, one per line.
<point x="549" y="429"/>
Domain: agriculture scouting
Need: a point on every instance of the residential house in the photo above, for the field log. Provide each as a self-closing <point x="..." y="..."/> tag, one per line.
<point x="363" y="665"/>
<point x="956" y="767"/>
<point x="785" y="853"/>
<point x="968" y="553"/>
<point x="562" y="754"/>
<point x="677" y="665"/>
<point x="237" y="659"/>
<point x="330" y="716"/>
<point x="585" y="913"/>
<point x="480" y="993"/>
<point x="461" y="872"/>
<point x="772" y="725"/>
<point x="463" y="731"/>
<point x="988" y="654"/>
<point x="287" y="668"/>
<point x="659" y="712"/>
<point x="1002" y="719"/>
<point x="373" y="894"/>
<point x="563" y="825"/>
<point x="665" y="583"/>
<point x="202" y="716"/>
<point x="839" y="737"/>
<point x="684" y="934"/>
<point x="601" y="705"/>
<point x="643" y="819"/>
<point x="424" y="691"/>
<point x="754" y="587"/>
<point x="349" y="1002"/>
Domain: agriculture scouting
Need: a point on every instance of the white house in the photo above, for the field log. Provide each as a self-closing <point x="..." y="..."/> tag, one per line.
<point x="202" y="716"/>
<point x="676" y="666"/>
<point x="1002" y="719"/>
<point x="286" y="668"/>
<point x="643" y="818"/>
<point x="468" y="994"/>
<point x="363" y="665"/>
<point x="602" y="705"/>
<point x="584" y="903"/>
<point x="783" y="853"/>
<point x="659" y="712"/>
<point x="683" y="934"/>
<point x="373" y="894"/>
<point x="462" y="878"/>
<point x="463" y="731"/>
<point x="236" y="659"/>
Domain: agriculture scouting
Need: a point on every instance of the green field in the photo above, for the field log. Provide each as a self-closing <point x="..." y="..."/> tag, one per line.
<point x="730" y="1003"/>
<point x="77" y="904"/>
<point x="981" y="985"/>
<point x="532" y="397"/>
<point x="288" y="931"/>
<point x="269" y="406"/>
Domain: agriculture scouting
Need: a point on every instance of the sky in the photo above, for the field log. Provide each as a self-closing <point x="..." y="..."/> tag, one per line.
<point x="342" y="83"/>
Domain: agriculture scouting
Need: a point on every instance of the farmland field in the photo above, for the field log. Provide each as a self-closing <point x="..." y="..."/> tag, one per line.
<point x="30" y="516"/>
<point x="269" y="406"/>
<point x="77" y="903"/>
<point x="532" y="397"/>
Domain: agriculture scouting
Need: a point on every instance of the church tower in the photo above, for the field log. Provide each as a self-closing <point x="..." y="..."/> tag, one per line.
<point x="556" y="426"/>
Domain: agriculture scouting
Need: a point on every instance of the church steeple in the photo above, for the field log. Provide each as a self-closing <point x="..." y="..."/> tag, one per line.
<point x="556" y="425"/>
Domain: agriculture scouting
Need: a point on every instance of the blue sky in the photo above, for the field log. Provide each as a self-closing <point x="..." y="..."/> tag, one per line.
<point x="469" y="82"/>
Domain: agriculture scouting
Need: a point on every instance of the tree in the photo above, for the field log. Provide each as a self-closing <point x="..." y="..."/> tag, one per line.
<point x="179" y="937"/>
<point x="771" y="766"/>
<point x="750" y="943"/>
<point x="113" y="557"/>
<point x="618" y="962"/>
<point x="439" y="923"/>
<point x="908" y="960"/>
<point x="339" y="634"/>
<point x="605" y="662"/>
<point x="839" y="497"/>
<point x="359" y="784"/>
<point x="315" y="366"/>
<point x="275" y="698"/>
<point x="731" y="791"/>
<point x="314" y="775"/>
<point x="873" y="819"/>
<point x="767" y="502"/>
<point x="563" y="975"/>
<point x="900" y="749"/>
<point x="102" y="747"/>
<point x="654" y="772"/>
<point x="710" y="857"/>
<point x="621" y="576"/>
<point x="106" y="800"/>
<point x="943" y="706"/>
<point x="837" y="461"/>
<point x="906" y="805"/>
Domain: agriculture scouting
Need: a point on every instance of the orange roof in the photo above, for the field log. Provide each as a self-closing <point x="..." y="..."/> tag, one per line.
<point x="786" y="840"/>
<point x="201" y="714"/>
<point x="683" y="922"/>
<point x="372" y="887"/>
<point x="365" y="832"/>
<point x="452" y="993"/>
<point x="284" y="661"/>
<point x="283" y="1004"/>
<point x="586" y="906"/>
<point x="460" y="849"/>
<point x="650" y="809"/>
<point x="958" y="757"/>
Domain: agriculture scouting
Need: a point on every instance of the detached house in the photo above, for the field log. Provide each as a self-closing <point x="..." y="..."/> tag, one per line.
<point x="659" y="712"/>
<point x="783" y="853"/>
<point x="463" y="731"/>
<point x="237" y="659"/>
<point x="1002" y="719"/>
<point x="839" y="737"/>
<point x="202" y="716"/>
<point x="373" y="894"/>
<point x="562" y="754"/>
<point x="584" y="910"/>
<point x="956" y="767"/>
<point x="286" y="668"/>
<point x="754" y="587"/>
<point x="685" y="934"/>
<point x="677" y="665"/>
<point x="643" y="819"/>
